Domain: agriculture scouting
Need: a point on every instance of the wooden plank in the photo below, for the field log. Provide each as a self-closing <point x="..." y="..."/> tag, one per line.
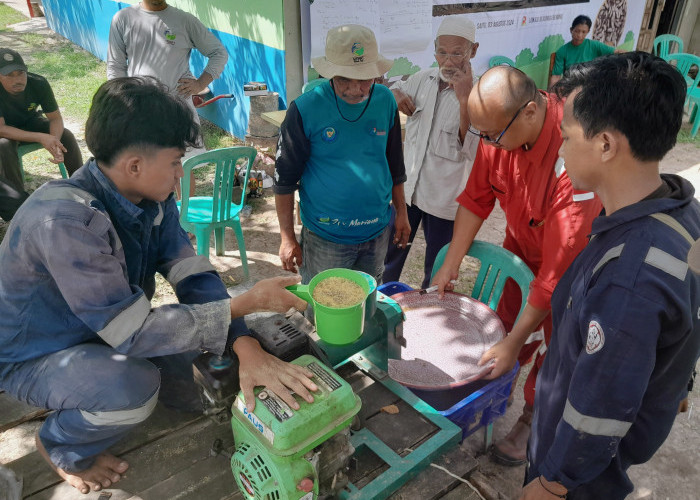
<point x="159" y="460"/>
<point x="14" y="412"/>
<point x="38" y="475"/>
<point x="461" y="492"/>
<point x="365" y="465"/>
<point x="374" y="398"/>
<point x="434" y="483"/>
<point x="401" y="430"/>
<point x="206" y="479"/>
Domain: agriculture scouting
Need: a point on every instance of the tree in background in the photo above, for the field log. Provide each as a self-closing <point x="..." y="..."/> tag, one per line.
<point x="550" y="44"/>
<point x="402" y="66"/>
<point x="524" y="58"/>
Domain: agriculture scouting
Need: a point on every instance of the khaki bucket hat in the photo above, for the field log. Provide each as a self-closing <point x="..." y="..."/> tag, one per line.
<point x="351" y="52"/>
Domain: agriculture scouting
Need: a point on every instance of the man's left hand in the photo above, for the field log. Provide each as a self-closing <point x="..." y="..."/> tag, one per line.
<point x="54" y="146"/>
<point x="503" y="357"/>
<point x="258" y="368"/>
<point x="190" y="86"/>
<point x="403" y="230"/>
<point x="462" y="82"/>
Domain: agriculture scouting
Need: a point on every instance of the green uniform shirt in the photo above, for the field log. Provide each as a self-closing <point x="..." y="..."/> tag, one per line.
<point x="568" y="54"/>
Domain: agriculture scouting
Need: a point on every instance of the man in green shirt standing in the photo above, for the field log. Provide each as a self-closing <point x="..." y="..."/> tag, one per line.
<point x="578" y="50"/>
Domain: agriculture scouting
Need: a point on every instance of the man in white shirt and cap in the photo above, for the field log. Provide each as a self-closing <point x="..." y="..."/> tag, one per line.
<point x="438" y="155"/>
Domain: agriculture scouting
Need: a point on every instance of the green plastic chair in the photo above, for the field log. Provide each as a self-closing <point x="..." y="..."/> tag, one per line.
<point x="29" y="147"/>
<point x="497" y="265"/>
<point x="312" y="84"/>
<point x="203" y="214"/>
<point x="685" y="63"/>
<point x="499" y="60"/>
<point x="662" y="45"/>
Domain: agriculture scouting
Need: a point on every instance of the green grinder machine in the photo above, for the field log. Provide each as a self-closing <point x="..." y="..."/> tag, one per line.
<point x="285" y="454"/>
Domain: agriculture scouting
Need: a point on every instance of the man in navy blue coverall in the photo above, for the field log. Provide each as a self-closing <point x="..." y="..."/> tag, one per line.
<point x="626" y="314"/>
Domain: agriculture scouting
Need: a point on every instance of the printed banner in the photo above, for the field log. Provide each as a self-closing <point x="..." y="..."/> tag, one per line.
<point x="527" y="36"/>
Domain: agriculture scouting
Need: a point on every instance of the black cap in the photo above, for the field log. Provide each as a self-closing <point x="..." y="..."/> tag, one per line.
<point x="10" y="61"/>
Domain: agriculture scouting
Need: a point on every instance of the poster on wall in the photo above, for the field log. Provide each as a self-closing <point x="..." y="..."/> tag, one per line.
<point x="525" y="32"/>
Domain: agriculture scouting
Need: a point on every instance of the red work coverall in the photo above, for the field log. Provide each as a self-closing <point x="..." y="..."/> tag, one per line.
<point x="547" y="221"/>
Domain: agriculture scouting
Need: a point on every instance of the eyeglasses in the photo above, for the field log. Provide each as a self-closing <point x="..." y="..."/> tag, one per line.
<point x="455" y="58"/>
<point x="485" y="137"/>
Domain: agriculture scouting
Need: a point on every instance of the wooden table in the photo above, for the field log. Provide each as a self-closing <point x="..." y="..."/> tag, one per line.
<point x="277" y="117"/>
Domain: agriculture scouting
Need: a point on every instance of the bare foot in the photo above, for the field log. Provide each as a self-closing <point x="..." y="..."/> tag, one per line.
<point x="106" y="471"/>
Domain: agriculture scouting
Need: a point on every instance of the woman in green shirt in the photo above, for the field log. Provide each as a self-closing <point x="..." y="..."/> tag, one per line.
<point x="578" y="50"/>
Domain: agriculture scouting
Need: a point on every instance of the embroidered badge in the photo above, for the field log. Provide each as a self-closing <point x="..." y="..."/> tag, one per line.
<point x="596" y="338"/>
<point x="329" y="134"/>
<point x="8" y="57"/>
<point x="358" y="52"/>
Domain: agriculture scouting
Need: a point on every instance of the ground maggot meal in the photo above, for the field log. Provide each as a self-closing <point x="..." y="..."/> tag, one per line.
<point x="338" y="292"/>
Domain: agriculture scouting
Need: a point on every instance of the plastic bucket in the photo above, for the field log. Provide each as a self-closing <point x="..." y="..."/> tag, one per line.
<point x="371" y="302"/>
<point x="337" y="326"/>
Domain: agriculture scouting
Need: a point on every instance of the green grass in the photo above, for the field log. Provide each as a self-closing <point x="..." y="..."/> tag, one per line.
<point x="74" y="75"/>
<point x="8" y="16"/>
<point x="215" y="137"/>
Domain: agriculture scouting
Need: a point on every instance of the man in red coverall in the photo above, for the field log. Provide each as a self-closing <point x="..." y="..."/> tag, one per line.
<point x="547" y="221"/>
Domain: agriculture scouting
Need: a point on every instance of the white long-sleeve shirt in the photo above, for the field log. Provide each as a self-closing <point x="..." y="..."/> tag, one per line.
<point x="158" y="44"/>
<point x="437" y="162"/>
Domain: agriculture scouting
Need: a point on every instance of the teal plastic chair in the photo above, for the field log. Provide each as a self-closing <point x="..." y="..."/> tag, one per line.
<point x="313" y="84"/>
<point x="663" y="44"/>
<point x="203" y="214"/>
<point x="685" y="63"/>
<point x="29" y="147"/>
<point x="499" y="60"/>
<point x="497" y="265"/>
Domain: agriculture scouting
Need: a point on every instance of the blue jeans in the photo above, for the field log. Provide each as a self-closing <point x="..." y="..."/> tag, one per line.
<point x="319" y="254"/>
<point x="438" y="233"/>
<point x="99" y="396"/>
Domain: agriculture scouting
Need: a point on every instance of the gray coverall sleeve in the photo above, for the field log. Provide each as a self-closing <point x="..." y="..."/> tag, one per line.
<point x="83" y="260"/>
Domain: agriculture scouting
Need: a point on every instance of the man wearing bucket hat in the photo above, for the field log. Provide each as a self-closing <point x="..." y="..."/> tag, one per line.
<point x="439" y="156"/>
<point x="28" y="113"/>
<point x="340" y="145"/>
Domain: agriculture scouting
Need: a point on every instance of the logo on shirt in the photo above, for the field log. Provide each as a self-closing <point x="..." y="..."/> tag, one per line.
<point x="372" y="128"/>
<point x="169" y="37"/>
<point x="596" y="338"/>
<point x="358" y="52"/>
<point x="329" y="134"/>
